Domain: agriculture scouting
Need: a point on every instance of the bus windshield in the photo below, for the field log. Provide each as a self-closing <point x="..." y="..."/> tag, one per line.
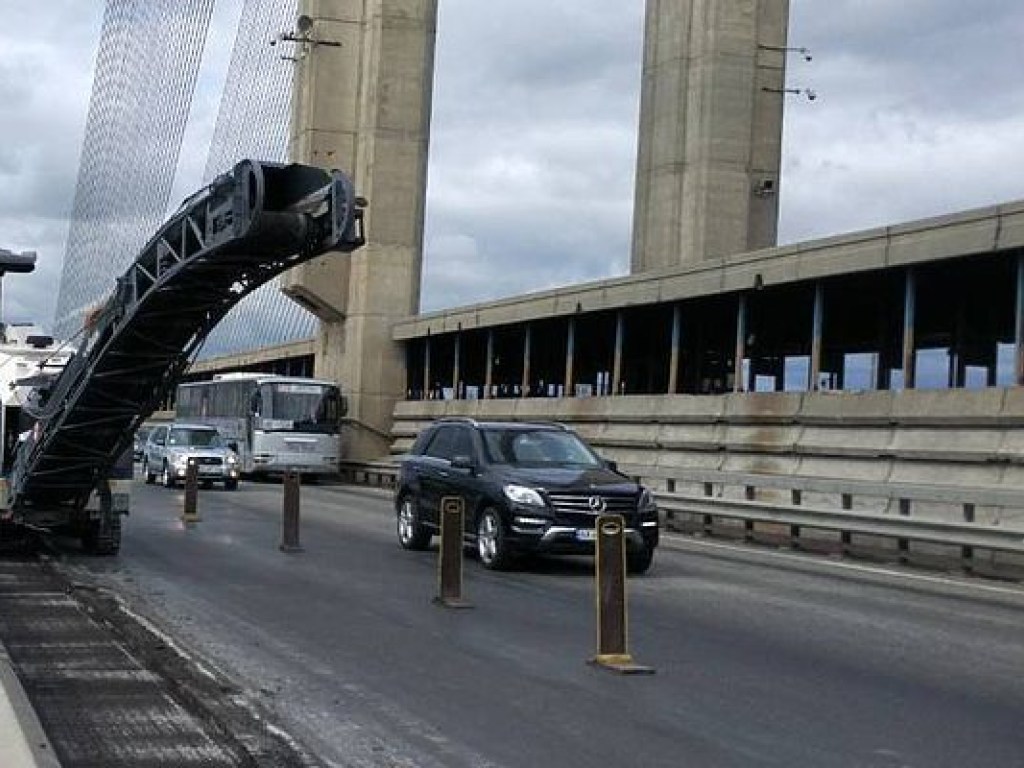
<point x="306" y="407"/>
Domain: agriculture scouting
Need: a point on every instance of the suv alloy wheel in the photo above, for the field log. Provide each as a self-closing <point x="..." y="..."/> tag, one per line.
<point x="490" y="541"/>
<point x="411" y="534"/>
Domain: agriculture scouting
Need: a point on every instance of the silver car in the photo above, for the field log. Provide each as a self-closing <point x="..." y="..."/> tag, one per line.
<point x="169" y="448"/>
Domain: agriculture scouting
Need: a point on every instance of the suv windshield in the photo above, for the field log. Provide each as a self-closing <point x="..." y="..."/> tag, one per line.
<point x="537" y="448"/>
<point x="195" y="438"/>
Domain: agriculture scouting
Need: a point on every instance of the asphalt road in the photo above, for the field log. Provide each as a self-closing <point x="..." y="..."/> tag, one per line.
<point x="762" y="658"/>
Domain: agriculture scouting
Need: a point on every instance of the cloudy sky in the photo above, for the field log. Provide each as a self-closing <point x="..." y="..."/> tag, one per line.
<point x="920" y="111"/>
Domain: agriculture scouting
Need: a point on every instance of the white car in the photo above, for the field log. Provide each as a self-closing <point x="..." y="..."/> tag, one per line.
<point x="169" y="448"/>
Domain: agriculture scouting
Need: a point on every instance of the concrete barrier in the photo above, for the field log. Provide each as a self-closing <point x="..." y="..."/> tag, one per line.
<point x="947" y="439"/>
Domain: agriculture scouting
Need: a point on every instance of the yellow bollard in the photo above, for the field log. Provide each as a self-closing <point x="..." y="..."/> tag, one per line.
<point x="290" y="517"/>
<point x="610" y="588"/>
<point x="190" y="513"/>
<point x="449" y="559"/>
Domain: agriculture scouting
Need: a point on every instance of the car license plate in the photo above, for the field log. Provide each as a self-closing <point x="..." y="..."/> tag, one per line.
<point x="585" y="534"/>
<point x="211" y="470"/>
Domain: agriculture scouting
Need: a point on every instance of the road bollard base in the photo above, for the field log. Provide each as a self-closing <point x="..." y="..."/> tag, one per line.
<point x="189" y="519"/>
<point x="620" y="662"/>
<point x="453" y="602"/>
<point x="291" y="548"/>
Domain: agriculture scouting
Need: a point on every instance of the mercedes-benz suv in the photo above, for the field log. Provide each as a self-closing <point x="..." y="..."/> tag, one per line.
<point x="528" y="487"/>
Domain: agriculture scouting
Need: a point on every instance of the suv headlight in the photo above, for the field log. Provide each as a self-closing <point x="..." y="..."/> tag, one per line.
<point x="232" y="459"/>
<point x="520" y="494"/>
<point x="646" y="499"/>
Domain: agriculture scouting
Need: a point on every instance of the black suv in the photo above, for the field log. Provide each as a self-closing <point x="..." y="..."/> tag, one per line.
<point x="527" y="488"/>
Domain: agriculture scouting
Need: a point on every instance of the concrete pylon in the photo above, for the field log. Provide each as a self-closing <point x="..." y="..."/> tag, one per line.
<point x="707" y="181"/>
<point x="363" y="92"/>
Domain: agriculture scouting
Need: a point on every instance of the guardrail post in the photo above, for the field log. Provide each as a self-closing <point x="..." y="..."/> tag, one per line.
<point x="750" y="494"/>
<point x="290" y="513"/>
<point x="902" y="544"/>
<point x="967" y="551"/>
<point x="449" y="558"/>
<point x="845" y="539"/>
<point x="610" y="589"/>
<point x="190" y="512"/>
<point x="796" y="499"/>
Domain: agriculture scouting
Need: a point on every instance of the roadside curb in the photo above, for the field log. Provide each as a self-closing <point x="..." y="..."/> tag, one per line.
<point x="23" y="742"/>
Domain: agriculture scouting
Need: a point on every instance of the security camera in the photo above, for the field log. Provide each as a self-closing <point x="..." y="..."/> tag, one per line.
<point x="811" y="95"/>
<point x="304" y="24"/>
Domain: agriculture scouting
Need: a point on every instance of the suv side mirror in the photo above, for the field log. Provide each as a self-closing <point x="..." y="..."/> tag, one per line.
<point x="464" y="463"/>
<point x="612" y="465"/>
<point x="233" y="446"/>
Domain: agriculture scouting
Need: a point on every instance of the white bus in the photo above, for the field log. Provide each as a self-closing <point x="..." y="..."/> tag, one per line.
<point x="274" y="423"/>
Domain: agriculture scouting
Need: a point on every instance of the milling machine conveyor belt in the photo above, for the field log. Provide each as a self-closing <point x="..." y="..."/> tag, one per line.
<point x="225" y="241"/>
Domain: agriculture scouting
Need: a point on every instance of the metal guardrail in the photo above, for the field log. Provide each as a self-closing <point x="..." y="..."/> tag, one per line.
<point x="967" y="535"/>
<point x="907" y="492"/>
<point x="961" y="534"/>
<point x="380" y="474"/>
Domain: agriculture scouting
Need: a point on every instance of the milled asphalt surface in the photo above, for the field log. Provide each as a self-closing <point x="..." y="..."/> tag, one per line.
<point x="107" y="691"/>
<point x="762" y="658"/>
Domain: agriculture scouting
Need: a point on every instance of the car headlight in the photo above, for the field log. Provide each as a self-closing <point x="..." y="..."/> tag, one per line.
<point x="520" y="494"/>
<point x="646" y="499"/>
<point x="232" y="459"/>
<point x="181" y="462"/>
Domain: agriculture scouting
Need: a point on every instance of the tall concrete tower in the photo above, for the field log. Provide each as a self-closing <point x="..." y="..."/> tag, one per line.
<point x="362" y="104"/>
<point x="707" y="181"/>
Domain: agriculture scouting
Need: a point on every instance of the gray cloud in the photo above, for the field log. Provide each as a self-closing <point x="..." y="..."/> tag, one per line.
<point x="46" y="56"/>
<point x="919" y="112"/>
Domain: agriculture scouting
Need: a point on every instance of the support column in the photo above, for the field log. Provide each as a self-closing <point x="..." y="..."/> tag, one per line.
<point x="958" y="351"/>
<point x="570" y="356"/>
<point x="673" y="360"/>
<point x="489" y="367"/>
<point x="527" y="340"/>
<point x="817" y="327"/>
<point x="738" y="381"/>
<point x="457" y="366"/>
<point x="710" y="135"/>
<point x="617" y="355"/>
<point x="364" y="106"/>
<point x="427" y="391"/>
<point x="909" y="312"/>
<point x="1018" y="358"/>
<point x="883" y="376"/>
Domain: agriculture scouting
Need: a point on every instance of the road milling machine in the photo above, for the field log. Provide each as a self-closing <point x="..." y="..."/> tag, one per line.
<point x="68" y="417"/>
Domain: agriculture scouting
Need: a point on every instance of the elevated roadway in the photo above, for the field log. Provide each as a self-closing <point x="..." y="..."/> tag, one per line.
<point x="762" y="658"/>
